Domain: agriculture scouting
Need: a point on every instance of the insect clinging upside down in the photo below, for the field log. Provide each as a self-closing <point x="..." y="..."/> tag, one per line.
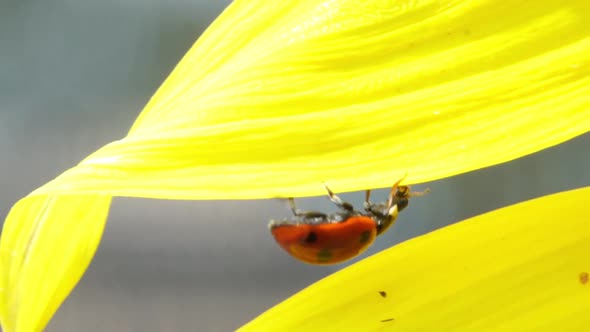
<point x="319" y="238"/>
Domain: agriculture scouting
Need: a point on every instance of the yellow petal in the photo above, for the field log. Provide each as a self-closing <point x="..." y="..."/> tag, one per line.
<point x="47" y="244"/>
<point x="354" y="93"/>
<point x="520" y="268"/>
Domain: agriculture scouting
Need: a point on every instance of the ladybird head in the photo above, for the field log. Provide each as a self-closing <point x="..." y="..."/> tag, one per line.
<point x="386" y="213"/>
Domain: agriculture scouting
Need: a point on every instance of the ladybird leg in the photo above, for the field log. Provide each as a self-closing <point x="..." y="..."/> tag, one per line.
<point x="372" y="208"/>
<point x="305" y="214"/>
<point x="368" y="204"/>
<point x="419" y="193"/>
<point x="292" y="206"/>
<point x="339" y="202"/>
<point x="368" y="197"/>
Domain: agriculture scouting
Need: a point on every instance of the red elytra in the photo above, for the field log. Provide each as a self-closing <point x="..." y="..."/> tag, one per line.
<point x="327" y="243"/>
<point x="319" y="238"/>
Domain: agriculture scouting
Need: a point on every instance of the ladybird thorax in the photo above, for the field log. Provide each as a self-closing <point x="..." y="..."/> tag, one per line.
<point x="385" y="217"/>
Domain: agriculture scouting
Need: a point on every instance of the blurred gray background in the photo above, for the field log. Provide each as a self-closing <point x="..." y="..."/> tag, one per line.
<point x="73" y="77"/>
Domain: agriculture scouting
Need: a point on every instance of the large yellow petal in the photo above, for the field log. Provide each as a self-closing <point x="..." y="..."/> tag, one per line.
<point x="278" y="96"/>
<point x="520" y="268"/>
<point x="354" y="93"/>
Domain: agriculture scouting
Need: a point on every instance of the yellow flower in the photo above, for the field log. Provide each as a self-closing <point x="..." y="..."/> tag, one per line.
<point x="278" y="96"/>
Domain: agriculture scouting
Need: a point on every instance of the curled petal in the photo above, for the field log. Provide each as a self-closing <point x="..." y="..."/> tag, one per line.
<point x="47" y="244"/>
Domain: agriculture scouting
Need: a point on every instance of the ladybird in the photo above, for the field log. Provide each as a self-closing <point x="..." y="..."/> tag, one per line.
<point x="324" y="239"/>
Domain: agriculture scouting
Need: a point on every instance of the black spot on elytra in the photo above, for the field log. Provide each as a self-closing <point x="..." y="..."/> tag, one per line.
<point x="324" y="255"/>
<point x="383" y="293"/>
<point x="387" y="320"/>
<point x="311" y="237"/>
<point x="365" y="236"/>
